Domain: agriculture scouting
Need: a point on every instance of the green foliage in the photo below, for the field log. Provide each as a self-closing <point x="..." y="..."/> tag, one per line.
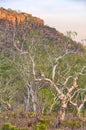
<point x="72" y="123"/>
<point x="8" y="126"/>
<point x="16" y="68"/>
<point x="23" y="129"/>
<point x="42" y="124"/>
<point x="6" y="68"/>
<point x="46" y="98"/>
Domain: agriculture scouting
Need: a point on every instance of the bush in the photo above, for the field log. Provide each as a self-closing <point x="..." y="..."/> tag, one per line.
<point x="8" y="126"/>
<point x="23" y="129"/>
<point x="72" y="123"/>
<point x="40" y="126"/>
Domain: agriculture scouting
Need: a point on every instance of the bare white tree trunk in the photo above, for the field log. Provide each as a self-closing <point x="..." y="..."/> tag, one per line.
<point x="31" y="98"/>
<point x="27" y="100"/>
<point x="63" y="110"/>
<point x="34" y="100"/>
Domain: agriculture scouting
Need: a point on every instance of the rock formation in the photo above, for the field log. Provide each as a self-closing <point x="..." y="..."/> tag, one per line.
<point x="12" y="16"/>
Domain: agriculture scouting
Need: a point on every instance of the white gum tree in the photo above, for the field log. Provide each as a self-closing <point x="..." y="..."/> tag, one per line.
<point x="62" y="80"/>
<point x="64" y="83"/>
<point x="65" y="92"/>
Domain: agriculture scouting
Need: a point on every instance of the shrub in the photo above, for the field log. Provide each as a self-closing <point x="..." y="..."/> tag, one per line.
<point x="8" y="126"/>
<point x="72" y="123"/>
<point x="23" y="129"/>
<point x="40" y="126"/>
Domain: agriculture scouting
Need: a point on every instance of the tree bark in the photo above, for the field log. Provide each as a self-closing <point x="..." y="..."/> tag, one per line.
<point x="63" y="110"/>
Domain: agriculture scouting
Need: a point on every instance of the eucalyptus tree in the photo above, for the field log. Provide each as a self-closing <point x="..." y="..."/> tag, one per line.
<point x="39" y="63"/>
<point x="66" y="82"/>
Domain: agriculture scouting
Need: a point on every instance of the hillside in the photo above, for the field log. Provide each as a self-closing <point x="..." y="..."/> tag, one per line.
<point x="24" y="24"/>
<point x="42" y="75"/>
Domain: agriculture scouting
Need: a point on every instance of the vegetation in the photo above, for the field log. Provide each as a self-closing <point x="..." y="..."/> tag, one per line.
<point x="8" y="126"/>
<point x="42" y="78"/>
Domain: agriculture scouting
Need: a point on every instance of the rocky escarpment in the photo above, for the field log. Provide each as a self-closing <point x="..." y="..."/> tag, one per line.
<point x="24" y="27"/>
<point x="23" y="21"/>
<point x="14" y="16"/>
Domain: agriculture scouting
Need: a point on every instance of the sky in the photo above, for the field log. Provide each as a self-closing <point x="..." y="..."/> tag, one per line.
<point x="64" y="15"/>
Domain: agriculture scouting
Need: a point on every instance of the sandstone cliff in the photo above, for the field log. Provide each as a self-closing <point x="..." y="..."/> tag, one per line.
<point x="23" y="27"/>
<point x="19" y="16"/>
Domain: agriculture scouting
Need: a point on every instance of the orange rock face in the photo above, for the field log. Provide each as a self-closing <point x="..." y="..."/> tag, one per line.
<point x="20" y="17"/>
